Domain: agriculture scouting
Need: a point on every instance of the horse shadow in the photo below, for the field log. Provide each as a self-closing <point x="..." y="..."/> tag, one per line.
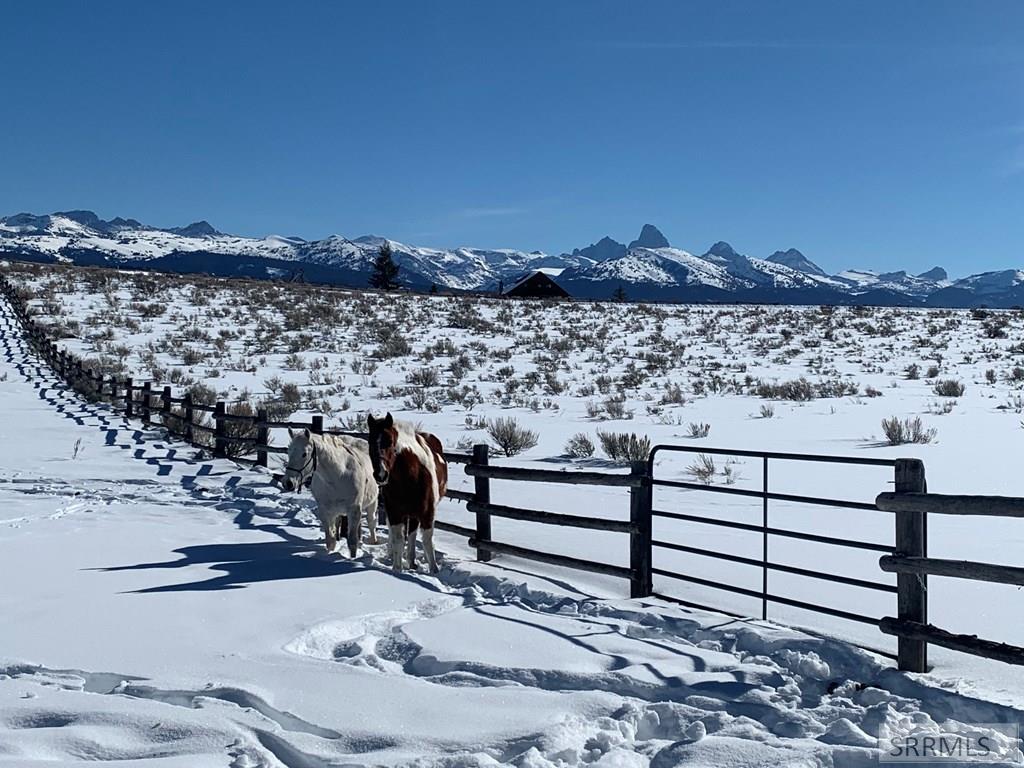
<point x="244" y="563"/>
<point x="287" y="557"/>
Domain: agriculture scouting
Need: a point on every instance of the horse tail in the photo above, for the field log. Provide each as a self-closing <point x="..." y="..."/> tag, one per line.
<point x="440" y="465"/>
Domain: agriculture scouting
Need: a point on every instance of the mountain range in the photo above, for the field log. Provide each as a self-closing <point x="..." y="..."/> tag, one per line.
<point x="648" y="269"/>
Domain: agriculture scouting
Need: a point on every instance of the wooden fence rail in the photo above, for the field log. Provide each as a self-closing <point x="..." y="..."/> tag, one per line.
<point x="912" y="564"/>
<point x="246" y="437"/>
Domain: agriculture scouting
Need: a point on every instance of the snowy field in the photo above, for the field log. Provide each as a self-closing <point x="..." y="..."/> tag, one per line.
<point x="454" y="363"/>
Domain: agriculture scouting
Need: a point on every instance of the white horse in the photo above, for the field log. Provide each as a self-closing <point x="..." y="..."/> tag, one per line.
<point x="340" y="476"/>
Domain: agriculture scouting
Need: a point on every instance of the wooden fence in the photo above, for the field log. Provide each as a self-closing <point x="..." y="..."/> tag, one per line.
<point x="210" y="425"/>
<point x="912" y="565"/>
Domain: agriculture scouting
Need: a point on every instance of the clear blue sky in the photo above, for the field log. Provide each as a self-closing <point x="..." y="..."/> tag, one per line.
<point x="876" y="134"/>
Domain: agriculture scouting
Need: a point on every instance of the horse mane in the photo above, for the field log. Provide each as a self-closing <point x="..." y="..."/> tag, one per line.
<point x="410" y="433"/>
<point x="338" y="443"/>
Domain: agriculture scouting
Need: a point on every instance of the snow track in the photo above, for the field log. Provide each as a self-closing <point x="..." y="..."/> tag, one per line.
<point x="164" y="609"/>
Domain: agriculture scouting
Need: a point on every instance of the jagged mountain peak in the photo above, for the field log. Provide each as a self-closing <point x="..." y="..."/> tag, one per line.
<point x="603" y="250"/>
<point x="794" y="259"/>
<point x="935" y="274"/>
<point x="722" y="252"/>
<point x="893" y="277"/>
<point x="650" y="237"/>
<point x="85" y="218"/>
<point x="118" y="223"/>
<point x="200" y="228"/>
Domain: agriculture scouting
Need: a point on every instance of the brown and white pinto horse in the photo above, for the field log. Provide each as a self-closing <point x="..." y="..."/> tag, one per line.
<point x="412" y="476"/>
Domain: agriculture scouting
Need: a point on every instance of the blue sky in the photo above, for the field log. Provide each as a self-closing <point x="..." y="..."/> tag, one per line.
<point x="884" y="135"/>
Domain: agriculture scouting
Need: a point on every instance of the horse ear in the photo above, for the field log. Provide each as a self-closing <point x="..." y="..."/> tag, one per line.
<point x="370" y="421"/>
<point x="306" y="432"/>
<point x="291" y="434"/>
<point x="389" y="421"/>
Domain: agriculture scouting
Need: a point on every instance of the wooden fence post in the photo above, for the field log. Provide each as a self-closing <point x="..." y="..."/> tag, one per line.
<point x="482" y="495"/>
<point x="641" y="579"/>
<point x="186" y="407"/>
<point x="317" y="427"/>
<point x="262" y="436"/>
<point x="219" y="443"/>
<point x="165" y="410"/>
<point x="147" y="393"/>
<point x="911" y="588"/>
<point x="129" y="406"/>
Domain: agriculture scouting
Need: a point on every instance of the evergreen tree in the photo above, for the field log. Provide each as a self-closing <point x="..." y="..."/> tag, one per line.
<point x="385" y="270"/>
<point x="619" y="294"/>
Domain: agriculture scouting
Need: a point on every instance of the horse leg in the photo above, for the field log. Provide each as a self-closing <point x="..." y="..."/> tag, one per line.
<point x="355" y="530"/>
<point x="397" y="540"/>
<point x="428" y="549"/>
<point x="371" y="520"/>
<point x="411" y="544"/>
<point x="329" y="525"/>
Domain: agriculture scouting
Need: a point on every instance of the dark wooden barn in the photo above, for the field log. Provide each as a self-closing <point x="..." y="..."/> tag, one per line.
<point x="535" y="285"/>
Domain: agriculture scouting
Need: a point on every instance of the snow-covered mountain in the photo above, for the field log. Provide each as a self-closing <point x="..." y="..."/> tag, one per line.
<point x="649" y="268"/>
<point x="664" y="272"/>
<point x="82" y="237"/>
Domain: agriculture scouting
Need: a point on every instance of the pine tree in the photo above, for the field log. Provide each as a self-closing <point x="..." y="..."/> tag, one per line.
<point x="385" y="271"/>
<point x="619" y="294"/>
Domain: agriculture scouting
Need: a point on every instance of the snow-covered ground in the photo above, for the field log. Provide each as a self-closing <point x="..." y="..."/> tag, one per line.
<point x="193" y="592"/>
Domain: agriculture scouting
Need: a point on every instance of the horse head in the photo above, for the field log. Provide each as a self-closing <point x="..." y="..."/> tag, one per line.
<point x="302" y="461"/>
<point x="383" y="439"/>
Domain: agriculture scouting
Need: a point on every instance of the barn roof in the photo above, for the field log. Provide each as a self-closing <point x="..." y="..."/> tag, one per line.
<point x="536" y="283"/>
<point x="520" y="280"/>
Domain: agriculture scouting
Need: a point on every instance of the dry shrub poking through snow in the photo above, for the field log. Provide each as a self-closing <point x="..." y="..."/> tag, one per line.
<point x="391" y="344"/>
<point x="615" y="407"/>
<point x="703" y="469"/>
<point x="949" y="388"/>
<point x="203" y="394"/>
<point x="509" y="436"/>
<point x="899" y="431"/>
<point x="799" y="390"/>
<point x="767" y="411"/>
<point x="624" y="446"/>
<point x="580" y="446"/>
<point x="698" y="429"/>
<point x="241" y="429"/>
